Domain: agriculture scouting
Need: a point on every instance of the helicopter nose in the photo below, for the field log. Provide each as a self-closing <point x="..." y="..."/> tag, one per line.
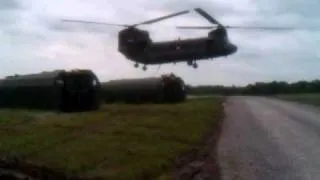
<point x="230" y="49"/>
<point x="233" y="48"/>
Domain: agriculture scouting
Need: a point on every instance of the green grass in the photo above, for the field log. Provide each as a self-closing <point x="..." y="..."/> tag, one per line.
<point x="116" y="142"/>
<point x="312" y="99"/>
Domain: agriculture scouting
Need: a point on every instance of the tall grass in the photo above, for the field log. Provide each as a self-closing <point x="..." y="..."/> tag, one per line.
<point x="117" y="142"/>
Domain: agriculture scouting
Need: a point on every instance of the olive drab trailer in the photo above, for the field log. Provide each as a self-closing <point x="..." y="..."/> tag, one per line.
<point x="164" y="89"/>
<point x="76" y="90"/>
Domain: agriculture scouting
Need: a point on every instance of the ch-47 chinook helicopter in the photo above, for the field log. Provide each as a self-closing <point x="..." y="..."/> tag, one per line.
<point x="136" y="45"/>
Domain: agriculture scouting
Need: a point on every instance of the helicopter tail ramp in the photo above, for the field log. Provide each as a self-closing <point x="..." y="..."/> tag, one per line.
<point x="164" y="89"/>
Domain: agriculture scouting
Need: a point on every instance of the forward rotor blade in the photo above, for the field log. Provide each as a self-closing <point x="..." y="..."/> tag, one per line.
<point x="195" y="27"/>
<point x="162" y="18"/>
<point x="207" y="16"/>
<point x="94" y="22"/>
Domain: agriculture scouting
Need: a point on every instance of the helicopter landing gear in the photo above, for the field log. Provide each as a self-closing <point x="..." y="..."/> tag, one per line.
<point x="144" y="68"/>
<point x="195" y="65"/>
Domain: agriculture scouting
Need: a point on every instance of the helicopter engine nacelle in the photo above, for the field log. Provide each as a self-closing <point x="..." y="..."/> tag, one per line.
<point x="133" y="41"/>
<point x="218" y="35"/>
<point x="218" y="39"/>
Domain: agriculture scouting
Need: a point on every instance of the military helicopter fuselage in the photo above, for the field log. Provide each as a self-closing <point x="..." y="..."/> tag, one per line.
<point x="136" y="45"/>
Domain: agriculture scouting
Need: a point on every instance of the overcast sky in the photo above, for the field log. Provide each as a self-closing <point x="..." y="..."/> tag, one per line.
<point x="33" y="39"/>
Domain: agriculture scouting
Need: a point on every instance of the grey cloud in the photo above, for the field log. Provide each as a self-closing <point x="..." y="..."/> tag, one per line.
<point x="296" y="12"/>
<point x="9" y="5"/>
<point x="8" y="18"/>
<point x="307" y="9"/>
<point x="9" y="12"/>
<point x="42" y="42"/>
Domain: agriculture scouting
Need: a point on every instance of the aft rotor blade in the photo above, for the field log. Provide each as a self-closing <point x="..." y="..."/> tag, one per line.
<point x="163" y="17"/>
<point x="94" y="22"/>
<point x="261" y="27"/>
<point x="237" y="27"/>
<point x="207" y="16"/>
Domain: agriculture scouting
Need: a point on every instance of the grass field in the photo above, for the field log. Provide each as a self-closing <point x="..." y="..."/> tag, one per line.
<point x="312" y="99"/>
<point x="116" y="142"/>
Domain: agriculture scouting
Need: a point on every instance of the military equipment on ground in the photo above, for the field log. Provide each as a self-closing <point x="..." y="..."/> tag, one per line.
<point x="76" y="90"/>
<point x="164" y="89"/>
<point x="136" y="45"/>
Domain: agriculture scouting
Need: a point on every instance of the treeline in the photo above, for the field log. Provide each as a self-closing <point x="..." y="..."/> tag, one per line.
<point x="259" y="88"/>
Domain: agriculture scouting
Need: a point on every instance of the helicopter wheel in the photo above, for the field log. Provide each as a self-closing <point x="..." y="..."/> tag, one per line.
<point x="195" y="65"/>
<point x="136" y="65"/>
<point x="144" y="68"/>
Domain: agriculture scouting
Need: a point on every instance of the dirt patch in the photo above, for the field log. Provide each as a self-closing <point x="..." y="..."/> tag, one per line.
<point x="15" y="169"/>
<point x="200" y="163"/>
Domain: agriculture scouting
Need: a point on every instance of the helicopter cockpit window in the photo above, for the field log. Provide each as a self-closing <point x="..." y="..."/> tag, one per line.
<point x="130" y="40"/>
<point x="183" y="87"/>
<point x="59" y="82"/>
<point x="94" y="82"/>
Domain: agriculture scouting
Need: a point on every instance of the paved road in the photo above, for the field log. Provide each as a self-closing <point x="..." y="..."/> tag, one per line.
<point x="267" y="139"/>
